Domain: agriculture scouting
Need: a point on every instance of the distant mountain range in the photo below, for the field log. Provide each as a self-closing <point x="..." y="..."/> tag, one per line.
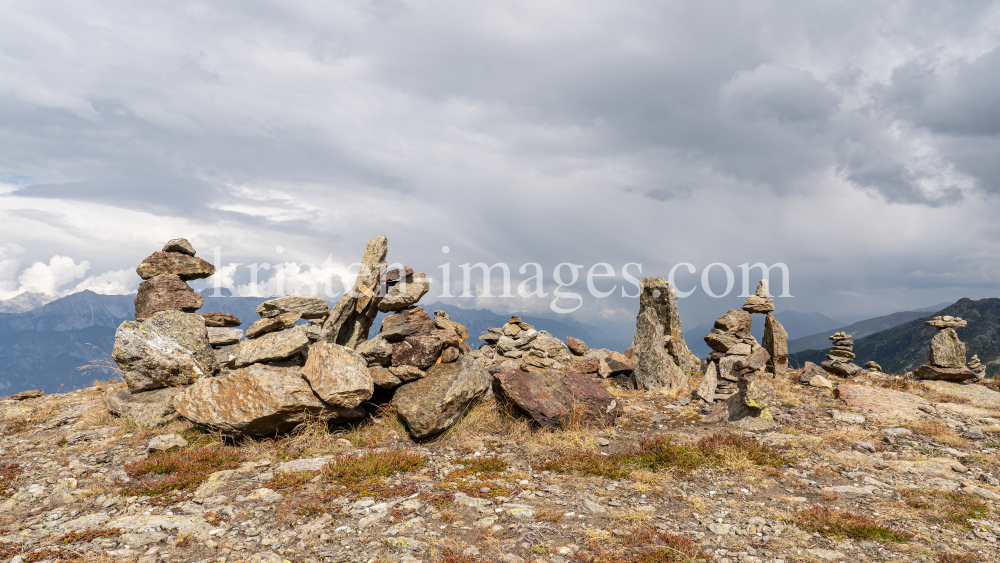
<point x="795" y="324"/>
<point x="905" y="347"/>
<point x="25" y="302"/>
<point x="858" y="330"/>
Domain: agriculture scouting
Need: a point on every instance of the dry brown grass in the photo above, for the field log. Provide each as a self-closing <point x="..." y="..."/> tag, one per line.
<point x="383" y="428"/>
<point x="939" y="431"/>
<point x="844" y="436"/>
<point x="312" y="438"/>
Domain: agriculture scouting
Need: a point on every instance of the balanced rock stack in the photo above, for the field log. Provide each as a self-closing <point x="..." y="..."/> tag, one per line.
<point x="731" y="342"/>
<point x="977" y="368"/>
<point x="947" y="353"/>
<point x="775" y="336"/>
<point x="165" y="276"/>
<point x="840" y="360"/>
<point x="749" y="406"/>
<point x="761" y="301"/>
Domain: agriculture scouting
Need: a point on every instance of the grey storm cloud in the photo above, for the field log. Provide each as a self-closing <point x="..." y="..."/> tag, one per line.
<point x="623" y="132"/>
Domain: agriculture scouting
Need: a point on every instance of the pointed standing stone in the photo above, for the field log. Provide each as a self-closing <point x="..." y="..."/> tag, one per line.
<point x="776" y="343"/>
<point x="663" y="359"/>
<point x="351" y="318"/>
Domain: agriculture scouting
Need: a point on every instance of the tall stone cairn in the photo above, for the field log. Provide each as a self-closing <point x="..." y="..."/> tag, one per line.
<point x="840" y="360"/>
<point x="947" y="353"/>
<point x="663" y="359"/>
<point x="165" y="275"/>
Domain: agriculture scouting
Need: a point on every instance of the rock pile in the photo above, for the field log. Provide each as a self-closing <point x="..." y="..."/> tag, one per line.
<point x="873" y="367"/>
<point x="977" y="368"/>
<point x="730" y="341"/>
<point x="840" y="360"/>
<point x="761" y="301"/>
<point x="947" y="353"/>
<point x="749" y="406"/>
<point x="165" y="276"/>
<point x="662" y="358"/>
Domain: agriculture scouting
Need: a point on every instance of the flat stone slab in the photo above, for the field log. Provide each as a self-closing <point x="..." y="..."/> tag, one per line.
<point x="964" y="411"/>
<point x="881" y="403"/>
<point x="975" y="395"/>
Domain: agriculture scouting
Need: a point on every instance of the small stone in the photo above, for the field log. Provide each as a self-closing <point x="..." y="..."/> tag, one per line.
<point x="820" y="381"/>
<point x="872" y="366"/>
<point x="847" y="417"/>
<point x="271" y="324"/>
<point x="165" y="442"/>
<point x="23" y="395"/>
<point x="449" y="354"/>
<point x="577" y="346"/>
<point x="180" y="245"/>
<point x="308" y="307"/>
<point x="338" y="375"/>
<point x="220" y="320"/>
<point x="947" y="351"/>
<point x="946" y="322"/>
<point x="182" y="265"/>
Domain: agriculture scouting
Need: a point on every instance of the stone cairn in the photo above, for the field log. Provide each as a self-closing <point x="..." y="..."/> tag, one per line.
<point x="286" y="372"/>
<point x="738" y="369"/>
<point x="840" y="359"/>
<point x="947" y="354"/>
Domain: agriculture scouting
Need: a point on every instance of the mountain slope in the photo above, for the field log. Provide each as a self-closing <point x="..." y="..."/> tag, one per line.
<point x="25" y="302"/>
<point x="49" y="359"/>
<point x="859" y="330"/>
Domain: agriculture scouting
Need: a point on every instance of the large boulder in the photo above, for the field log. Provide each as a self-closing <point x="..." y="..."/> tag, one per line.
<point x="736" y="322"/>
<point x="166" y="350"/>
<point x="272" y="347"/>
<point x="961" y="373"/>
<point x="776" y="343"/>
<point x="338" y="375"/>
<point x="260" y="400"/>
<point x="147" y="409"/>
<point x="947" y="351"/>
<point x="185" y="266"/>
<point x="307" y="307"/>
<point x="405" y="293"/>
<point x="166" y="292"/>
<point x="412" y="321"/>
<point x="554" y="399"/>
<point x="351" y="318"/>
<point x="434" y="403"/>
<point x="663" y="359"/>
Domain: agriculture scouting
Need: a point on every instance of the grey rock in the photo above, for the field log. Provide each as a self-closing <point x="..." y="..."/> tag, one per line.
<point x="164" y="442"/>
<point x="182" y="265"/>
<point x="272" y="347"/>
<point x="271" y="324"/>
<point x="405" y="294"/>
<point x="811" y="370"/>
<point x="947" y="351"/>
<point x="180" y="245"/>
<point x="776" y="344"/>
<point x="306" y="306"/>
<point x="706" y="391"/>
<point x="376" y="351"/>
<point x="168" y="349"/>
<point x="412" y="321"/>
<point x="351" y="318"/>
<point x="148" y="409"/>
<point x="383" y="378"/>
<point x="434" y="403"/>
<point x="945" y="374"/>
<point x="224" y="336"/>
<point x="338" y="375"/>
<point x="167" y="292"/>
<point x="735" y="322"/>
<point x="662" y="363"/>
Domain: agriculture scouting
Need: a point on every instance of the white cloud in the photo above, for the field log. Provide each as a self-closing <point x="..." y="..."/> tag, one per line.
<point x="115" y="282"/>
<point x="290" y="278"/>
<point x="48" y="278"/>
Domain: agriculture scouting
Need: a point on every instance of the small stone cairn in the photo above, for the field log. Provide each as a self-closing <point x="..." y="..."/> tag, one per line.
<point x="840" y="359"/>
<point x="947" y="354"/>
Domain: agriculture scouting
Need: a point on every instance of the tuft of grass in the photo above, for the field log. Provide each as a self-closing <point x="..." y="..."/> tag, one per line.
<point x="489" y="467"/>
<point x="658" y="454"/>
<point x="645" y="545"/>
<point x="953" y="507"/>
<point x="293" y="480"/>
<point x="89" y="535"/>
<point x="439" y="501"/>
<point x="170" y="471"/>
<point x="366" y="474"/>
<point x="959" y="558"/>
<point x="448" y="555"/>
<point x="843" y="524"/>
<point x="8" y="474"/>
<point x="14" y="427"/>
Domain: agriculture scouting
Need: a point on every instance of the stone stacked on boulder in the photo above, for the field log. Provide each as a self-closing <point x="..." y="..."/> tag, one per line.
<point x="873" y="367"/>
<point x="165" y="274"/>
<point x="662" y="358"/>
<point x="351" y="318"/>
<point x="840" y="359"/>
<point x="761" y="301"/>
<point x="947" y="353"/>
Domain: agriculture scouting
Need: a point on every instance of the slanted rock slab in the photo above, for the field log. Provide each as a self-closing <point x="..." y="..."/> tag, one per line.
<point x="434" y="403"/>
<point x="306" y="306"/>
<point x="882" y="403"/>
<point x="148" y="409"/>
<point x="338" y="375"/>
<point x="272" y="347"/>
<point x="552" y="398"/>
<point x="185" y="266"/>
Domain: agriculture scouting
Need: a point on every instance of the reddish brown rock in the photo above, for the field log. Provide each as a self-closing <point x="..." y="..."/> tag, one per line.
<point x="220" y="320"/>
<point x="583" y="365"/>
<point x="755" y="361"/>
<point x="577" y="346"/>
<point x="412" y="321"/>
<point x="434" y="403"/>
<point x="553" y="398"/>
<point x="166" y="292"/>
<point x="449" y="354"/>
<point x="418" y="351"/>
<point x="182" y="265"/>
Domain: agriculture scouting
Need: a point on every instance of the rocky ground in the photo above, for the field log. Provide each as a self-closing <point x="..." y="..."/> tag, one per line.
<point x="877" y="469"/>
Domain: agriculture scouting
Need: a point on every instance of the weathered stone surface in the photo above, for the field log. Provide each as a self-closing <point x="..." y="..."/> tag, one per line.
<point x="397" y="275"/>
<point x="975" y="395"/>
<point x="842" y="354"/>
<point x="443" y="321"/>
<point x="552" y="398"/>
<point x="383" y="378"/>
<point x="256" y="401"/>
<point x="224" y="336"/>
<point x="165" y="293"/>
<point x="776" y="344"/>
<point x="946" y="322"/>
<point x="338" y="375"/>
<point x="721" y="342"/>
<point x="351" y="318"/>
<point x="272" y="347"/>
<point x="809" y="371"/>
<point x="413" y="321"/>
<point x="749" y="407"/>
<point x="408" y="373"/>
<point x="758" y="304"/>
<point x="271" y="324"/>
<point x="739" y="349"/>
<point x="185" y="266"/>
<point x="226" y="356"/>
<point x="658" y="318"/>
<point x="708" y="383"/>
<point x="544" y="342"/>
<point x="405" y="293"/>
<point x="577" y="346"/>
<point x="306" y="306"/>
<point x="147" y="409"/>
<point x="24" y="395"/>
<point x="961" y="373"/>
<point x="873" y="367"/>
<point x="376" y="351"/>
<point x="726" y="370"/>
<point x="947" y="351"/>
<point x="882" y="403"/>
<point x="841" y="368"/>
<point x="756" y="361"/>
<point x="449" y="354"/>
<point x="220" y="320"/>
<point x="180" y="245"/>
<point x="166" y="350"/>
<point x="820" y="381"/>
<point x="583" y="365"/>
<point x="419" y="351"/>
<point x="165" y="442"/>
<point x="433" y="404"/>
<point x="735" y="322"/>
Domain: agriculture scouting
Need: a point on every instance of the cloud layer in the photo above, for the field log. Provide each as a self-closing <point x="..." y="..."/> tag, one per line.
<point x="855" y="142"/>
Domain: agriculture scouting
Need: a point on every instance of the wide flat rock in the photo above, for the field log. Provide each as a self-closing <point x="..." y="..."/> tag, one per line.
<point x="975" y="395"/>
<point x="882" y="403"/>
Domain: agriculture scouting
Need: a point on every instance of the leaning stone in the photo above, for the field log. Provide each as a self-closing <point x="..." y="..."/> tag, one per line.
<point x="351" y="318"/>
<point x="397" y="275"/>
<point x="412" y="321"/>
<point x="306" y="306"/>
<point x="947" y="351"/>
<point x="945" y="374"/>
<point x="166" y="350"/>
<point x="405" y="294"/>
<point x="182" y="265"/>
<point x="23" y="395"/>
<point x="577" y="346"/>
<point x="708" y="384"/>
<point x="220" y="320"/>
<point x="148" y="409"/>
<point x="776" y="344"/>
<point x="810" y="371"/>
<point x="165" y="293"/>
<point x="224" y="336"/>
<point x="259" y="400"/>
<point x="419" y="351"/>
<point x="553" y="399"/>
<point x="338" y="375"/>
<point x="436" y="402"/>
<point x="376" y="351"/>
<point x="272" y="347"/>
<point x="271" y="324"/>
<point x="180" y="245"/>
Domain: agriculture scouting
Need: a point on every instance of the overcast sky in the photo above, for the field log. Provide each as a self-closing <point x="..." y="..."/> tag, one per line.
<point x="856" y="142"/>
